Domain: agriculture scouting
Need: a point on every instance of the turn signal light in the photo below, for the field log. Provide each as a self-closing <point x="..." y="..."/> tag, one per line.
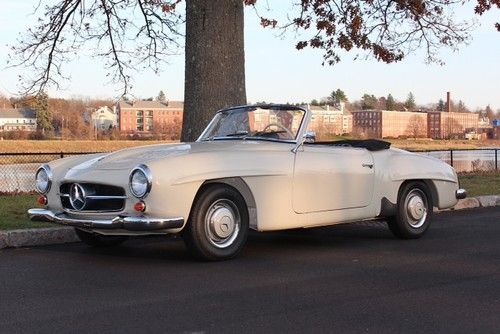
<point x="140" y="206"/>
<point x="42" y="200"/>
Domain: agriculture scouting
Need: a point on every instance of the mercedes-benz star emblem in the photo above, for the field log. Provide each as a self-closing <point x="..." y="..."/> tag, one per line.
<point x="77" y="196"/>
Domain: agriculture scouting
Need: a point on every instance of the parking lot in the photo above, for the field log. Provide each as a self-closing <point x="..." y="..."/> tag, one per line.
<point x="348" y="278"/>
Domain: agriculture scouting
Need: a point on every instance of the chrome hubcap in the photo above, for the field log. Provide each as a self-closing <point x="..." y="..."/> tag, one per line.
<point x="222" y="223"/>
<point x="416" y="208"/>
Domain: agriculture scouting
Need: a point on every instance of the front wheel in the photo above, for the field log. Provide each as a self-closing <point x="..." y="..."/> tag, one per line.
<point x="218" y="225"/>
<point x="98" y="240"/>
<point x="414" y="210"/>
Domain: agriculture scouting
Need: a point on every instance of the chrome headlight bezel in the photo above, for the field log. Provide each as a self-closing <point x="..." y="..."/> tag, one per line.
<point x="45" y="169"/>
<point x="147" y="178"/>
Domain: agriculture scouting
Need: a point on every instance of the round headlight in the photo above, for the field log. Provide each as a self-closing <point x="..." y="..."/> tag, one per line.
<point x="140" y="181"/>
<point x="43" y="179"/>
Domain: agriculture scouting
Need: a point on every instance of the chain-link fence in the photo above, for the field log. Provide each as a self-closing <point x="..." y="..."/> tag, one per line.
<point x="17" y="170"/>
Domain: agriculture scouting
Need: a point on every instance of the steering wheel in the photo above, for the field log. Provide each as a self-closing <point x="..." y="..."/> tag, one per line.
<point x="279" y="126"/>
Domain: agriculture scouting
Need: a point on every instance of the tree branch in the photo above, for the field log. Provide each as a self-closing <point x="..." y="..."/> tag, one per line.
<point x="107" y="26"/>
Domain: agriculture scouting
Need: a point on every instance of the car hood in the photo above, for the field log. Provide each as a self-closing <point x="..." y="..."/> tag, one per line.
<point x="129" y="158"/>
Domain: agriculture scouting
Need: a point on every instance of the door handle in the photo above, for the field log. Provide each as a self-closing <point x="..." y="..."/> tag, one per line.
<point x="367" y="165"/>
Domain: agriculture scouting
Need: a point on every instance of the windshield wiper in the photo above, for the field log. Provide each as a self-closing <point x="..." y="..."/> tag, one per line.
<point x="237" y="134"/>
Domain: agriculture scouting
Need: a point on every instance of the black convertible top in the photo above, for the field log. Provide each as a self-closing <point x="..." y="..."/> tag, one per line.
<point x="369" y="144"/>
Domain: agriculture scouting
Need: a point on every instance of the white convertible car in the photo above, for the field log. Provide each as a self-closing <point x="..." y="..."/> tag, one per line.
<point x="253" y="167"/>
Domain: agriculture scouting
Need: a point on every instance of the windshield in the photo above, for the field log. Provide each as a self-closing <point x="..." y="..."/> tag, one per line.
<point x="257" y="123"/>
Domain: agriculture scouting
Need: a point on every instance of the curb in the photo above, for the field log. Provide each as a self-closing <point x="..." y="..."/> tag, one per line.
<point x="37" y="237"/>
<point x="61" y="235"/>
<point x="476" y="202"/>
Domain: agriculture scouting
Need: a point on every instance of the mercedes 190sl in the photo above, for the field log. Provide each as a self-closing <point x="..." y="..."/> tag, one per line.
<point x="254" y="167"/>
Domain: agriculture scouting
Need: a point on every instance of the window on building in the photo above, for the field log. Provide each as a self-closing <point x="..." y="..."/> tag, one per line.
<point x="140" y="120"/>
<point x="149" y="120"/>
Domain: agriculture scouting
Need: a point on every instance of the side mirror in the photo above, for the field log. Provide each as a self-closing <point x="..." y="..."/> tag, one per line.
<point x="310" y="137"/>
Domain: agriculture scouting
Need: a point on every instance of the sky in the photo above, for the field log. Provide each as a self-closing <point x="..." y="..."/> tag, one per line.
<point x="277" y="72"/>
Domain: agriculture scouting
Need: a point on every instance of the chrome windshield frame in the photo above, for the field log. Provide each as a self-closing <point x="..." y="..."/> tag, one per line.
<point x="302" y="128"/>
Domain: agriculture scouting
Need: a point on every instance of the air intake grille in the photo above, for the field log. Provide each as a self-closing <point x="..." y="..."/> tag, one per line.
<point x="91" y="197"/>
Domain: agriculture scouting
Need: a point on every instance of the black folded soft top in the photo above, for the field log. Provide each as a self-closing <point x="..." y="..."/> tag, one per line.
<point x="369" y="144"/>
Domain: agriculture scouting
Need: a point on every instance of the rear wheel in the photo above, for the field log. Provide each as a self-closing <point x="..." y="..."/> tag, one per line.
<point x="414" y="210"/>
<point x="218" y="225"/>
<point x="98" y="240"/>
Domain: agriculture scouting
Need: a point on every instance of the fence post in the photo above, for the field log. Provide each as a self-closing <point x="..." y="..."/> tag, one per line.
<point x="62" y="155"/>
<point x="451" y="158"/>
<point x="496" y="159"/>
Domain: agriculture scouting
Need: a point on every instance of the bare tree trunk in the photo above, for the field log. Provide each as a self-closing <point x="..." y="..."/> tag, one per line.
<point x="215" y="62"/>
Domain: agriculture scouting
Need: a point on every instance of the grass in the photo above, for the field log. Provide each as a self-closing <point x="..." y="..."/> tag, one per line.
<point x="480" y="184"/>
<point x="432" y="144"/>
<point x="14" y="207"/>
<point x="13" y="212"/>
<point x="43" y="146"/>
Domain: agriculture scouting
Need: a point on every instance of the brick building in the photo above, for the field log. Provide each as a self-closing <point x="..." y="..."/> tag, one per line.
<point x="445" y="125"/>
<point x="17" y="119"/>
<point x="384" y="124"/>
<point x="496" y="129"/>
<point x="327" y="120"/>
<point x="495" y="133"/>
<point x="394" y="124"/>
<point x="148" y="116"/>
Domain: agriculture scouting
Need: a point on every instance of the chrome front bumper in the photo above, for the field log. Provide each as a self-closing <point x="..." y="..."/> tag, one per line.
<point x="127" y="223"/>
<point x="461" y="194"/>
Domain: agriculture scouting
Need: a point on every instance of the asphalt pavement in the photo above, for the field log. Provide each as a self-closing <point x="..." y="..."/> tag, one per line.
<point x="346" y="279"/>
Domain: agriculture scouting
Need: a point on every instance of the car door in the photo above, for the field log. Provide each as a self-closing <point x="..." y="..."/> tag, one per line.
<point x="332" y="178"/>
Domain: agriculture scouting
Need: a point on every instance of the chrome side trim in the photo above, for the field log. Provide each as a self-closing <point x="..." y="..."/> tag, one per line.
<point x="127" y="223"/>
<point x="461" y="194"/>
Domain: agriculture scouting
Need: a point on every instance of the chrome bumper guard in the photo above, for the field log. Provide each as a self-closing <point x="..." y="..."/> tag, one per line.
<point x="461" y="194"/>
<point x="127" y="223"/>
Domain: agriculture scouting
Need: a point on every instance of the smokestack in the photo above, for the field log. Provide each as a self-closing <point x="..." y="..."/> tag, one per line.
<point x="448" y="101"/>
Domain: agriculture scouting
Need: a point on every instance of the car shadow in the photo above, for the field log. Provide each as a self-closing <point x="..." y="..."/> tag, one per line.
<point x="159" y="248"/>
<point x="354" y="231"/>
<point x="171" y="248"/>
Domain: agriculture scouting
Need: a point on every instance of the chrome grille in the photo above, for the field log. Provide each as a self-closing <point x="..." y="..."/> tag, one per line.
<point x="96" y="197"/>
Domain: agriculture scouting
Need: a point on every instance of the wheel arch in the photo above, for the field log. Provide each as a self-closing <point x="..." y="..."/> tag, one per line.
<point x="431" y="188"/>
<point x="238" y="184"/>
<point x="388" y="205"/>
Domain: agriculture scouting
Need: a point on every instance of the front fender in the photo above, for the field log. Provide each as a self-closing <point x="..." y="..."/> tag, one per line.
<point x="413" y="166"/>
